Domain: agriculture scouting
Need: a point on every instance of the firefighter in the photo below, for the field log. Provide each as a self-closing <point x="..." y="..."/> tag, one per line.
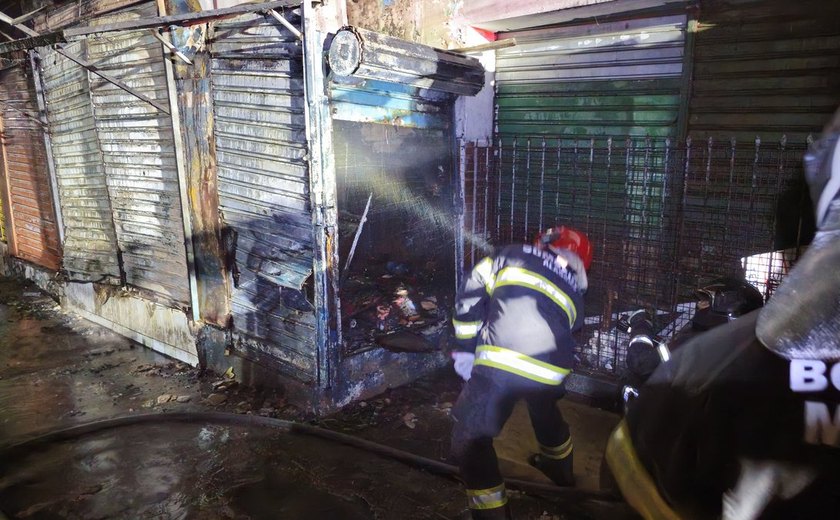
<point x="514" y="319"/>
<point x="744" y="421"/>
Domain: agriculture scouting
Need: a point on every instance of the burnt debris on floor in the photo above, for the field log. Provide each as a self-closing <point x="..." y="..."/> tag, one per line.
<point x="396" y="310"/>
<point x="395" y="189"/>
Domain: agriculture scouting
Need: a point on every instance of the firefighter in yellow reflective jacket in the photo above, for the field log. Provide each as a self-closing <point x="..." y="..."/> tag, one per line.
<point x="513" y="321"/>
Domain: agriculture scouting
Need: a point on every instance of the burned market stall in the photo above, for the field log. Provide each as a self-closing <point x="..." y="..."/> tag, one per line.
<point x="234" y="203"/>
<point x="393" y="137"/>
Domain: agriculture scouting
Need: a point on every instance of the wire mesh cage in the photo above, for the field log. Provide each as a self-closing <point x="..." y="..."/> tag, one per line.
<point x="664" y="218"/>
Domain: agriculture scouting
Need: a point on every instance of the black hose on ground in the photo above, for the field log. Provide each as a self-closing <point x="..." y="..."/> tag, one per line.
<point x="430" y="465"/>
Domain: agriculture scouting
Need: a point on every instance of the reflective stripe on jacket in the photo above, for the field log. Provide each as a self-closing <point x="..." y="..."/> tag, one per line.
<point x="524" y="300"/>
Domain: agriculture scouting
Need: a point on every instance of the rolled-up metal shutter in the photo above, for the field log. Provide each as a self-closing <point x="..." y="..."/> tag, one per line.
<point x="138" y="155"/>
<point x="261" y="154"/>
<point x="31" y="206"/>
<point x="90" y="244"/>
<point x="608" y="79"/>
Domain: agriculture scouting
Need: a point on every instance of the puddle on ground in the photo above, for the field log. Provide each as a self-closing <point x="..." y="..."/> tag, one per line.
<point x="177" y="471"/>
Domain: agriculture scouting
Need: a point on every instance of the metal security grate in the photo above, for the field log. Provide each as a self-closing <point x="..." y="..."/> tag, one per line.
<point x="664" y="218"/>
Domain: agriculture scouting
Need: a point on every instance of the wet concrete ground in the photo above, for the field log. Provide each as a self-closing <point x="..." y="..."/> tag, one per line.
<point x="58" y="370"/>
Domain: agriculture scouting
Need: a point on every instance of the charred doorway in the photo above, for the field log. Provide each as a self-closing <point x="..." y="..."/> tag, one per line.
<point x="392" y="106"/>
<point x="397" y="222"/>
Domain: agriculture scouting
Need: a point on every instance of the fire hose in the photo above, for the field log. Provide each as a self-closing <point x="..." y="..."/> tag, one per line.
<point x="433" y="466"/>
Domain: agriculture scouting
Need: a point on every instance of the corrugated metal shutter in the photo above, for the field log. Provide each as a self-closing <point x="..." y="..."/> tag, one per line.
<point x="90" y="246"/>
<point x="36" y="237"/>
<point x="138" y="152"/>
<point x="257" y="88"/>
<point x="612" y="79"/>
<point x="765" y="69"/>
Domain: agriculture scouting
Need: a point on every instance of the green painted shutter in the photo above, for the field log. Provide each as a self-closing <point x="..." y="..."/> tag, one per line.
<point x="765" y="69"/>
<point x="612" y="79"/>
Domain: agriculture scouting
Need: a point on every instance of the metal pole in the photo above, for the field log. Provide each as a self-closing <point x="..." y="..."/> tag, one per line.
<point x="170" y="47"/>
<point x="183" y="182"/>
<point x="323" y="198"/>
<point x="474" y="201"/>
<point x="285" y="23"/>
<point x="42" y="108"/>
<point x="356" y="237"/>
<point x="589" y="208"/>
<point x="774" y="245"/>
<point x="732" y="147"/>
<point x="499" y="191"/>
<point x="460" y="209"/>
<point x="512" y="188"/>
<point x="542" y="184"/>
<point x="485" y="234"/>
<point x="607" y="211"/>
<point x="559" y="177"/>
<point x="527" y="186"/>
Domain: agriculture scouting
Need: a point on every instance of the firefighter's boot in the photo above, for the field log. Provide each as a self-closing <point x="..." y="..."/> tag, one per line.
<point x="556" y="463"/>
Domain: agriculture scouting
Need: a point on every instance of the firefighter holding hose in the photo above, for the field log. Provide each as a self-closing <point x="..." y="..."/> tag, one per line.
<point x="514" y="319"/>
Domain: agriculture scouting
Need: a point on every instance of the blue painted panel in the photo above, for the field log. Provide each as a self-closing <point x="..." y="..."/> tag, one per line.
<point x="370" y="101"/>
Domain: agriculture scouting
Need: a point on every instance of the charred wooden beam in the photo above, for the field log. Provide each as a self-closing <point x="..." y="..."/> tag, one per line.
<point x="369" y="55"/>
<point x="31" y="43"/>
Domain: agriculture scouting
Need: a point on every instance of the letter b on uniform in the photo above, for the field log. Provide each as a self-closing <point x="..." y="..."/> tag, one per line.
<point x="807" y="375"/>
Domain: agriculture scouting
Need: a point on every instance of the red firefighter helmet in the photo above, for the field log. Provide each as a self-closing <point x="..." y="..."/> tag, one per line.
<point x="564" y="237"/>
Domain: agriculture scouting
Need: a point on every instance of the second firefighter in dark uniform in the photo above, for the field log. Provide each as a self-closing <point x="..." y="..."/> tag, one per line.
<point x="514" y="319"/>
<point x="744" y="421"/>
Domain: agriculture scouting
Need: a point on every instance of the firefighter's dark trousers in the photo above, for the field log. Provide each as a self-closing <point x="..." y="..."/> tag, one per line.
<point x="483" y="407"/>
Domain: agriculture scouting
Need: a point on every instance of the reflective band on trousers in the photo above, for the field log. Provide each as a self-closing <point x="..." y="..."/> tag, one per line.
<point x="526" y="278"/>
<point x="557" y="452"/>
<point x="466" y="329"/>
<point x="490" y="498"/>
<point x="520" y="364"/>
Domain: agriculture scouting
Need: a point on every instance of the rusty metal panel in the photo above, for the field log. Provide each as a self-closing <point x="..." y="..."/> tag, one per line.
<point x="257" y="89"/>
<point x="33" y="219"/>
<point x="90" y="245"/>
<point x="138" y="154"/>
<point x="764" y="69"/>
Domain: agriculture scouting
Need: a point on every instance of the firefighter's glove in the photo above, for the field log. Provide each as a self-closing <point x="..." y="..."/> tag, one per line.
<point x="463" y="364"/>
